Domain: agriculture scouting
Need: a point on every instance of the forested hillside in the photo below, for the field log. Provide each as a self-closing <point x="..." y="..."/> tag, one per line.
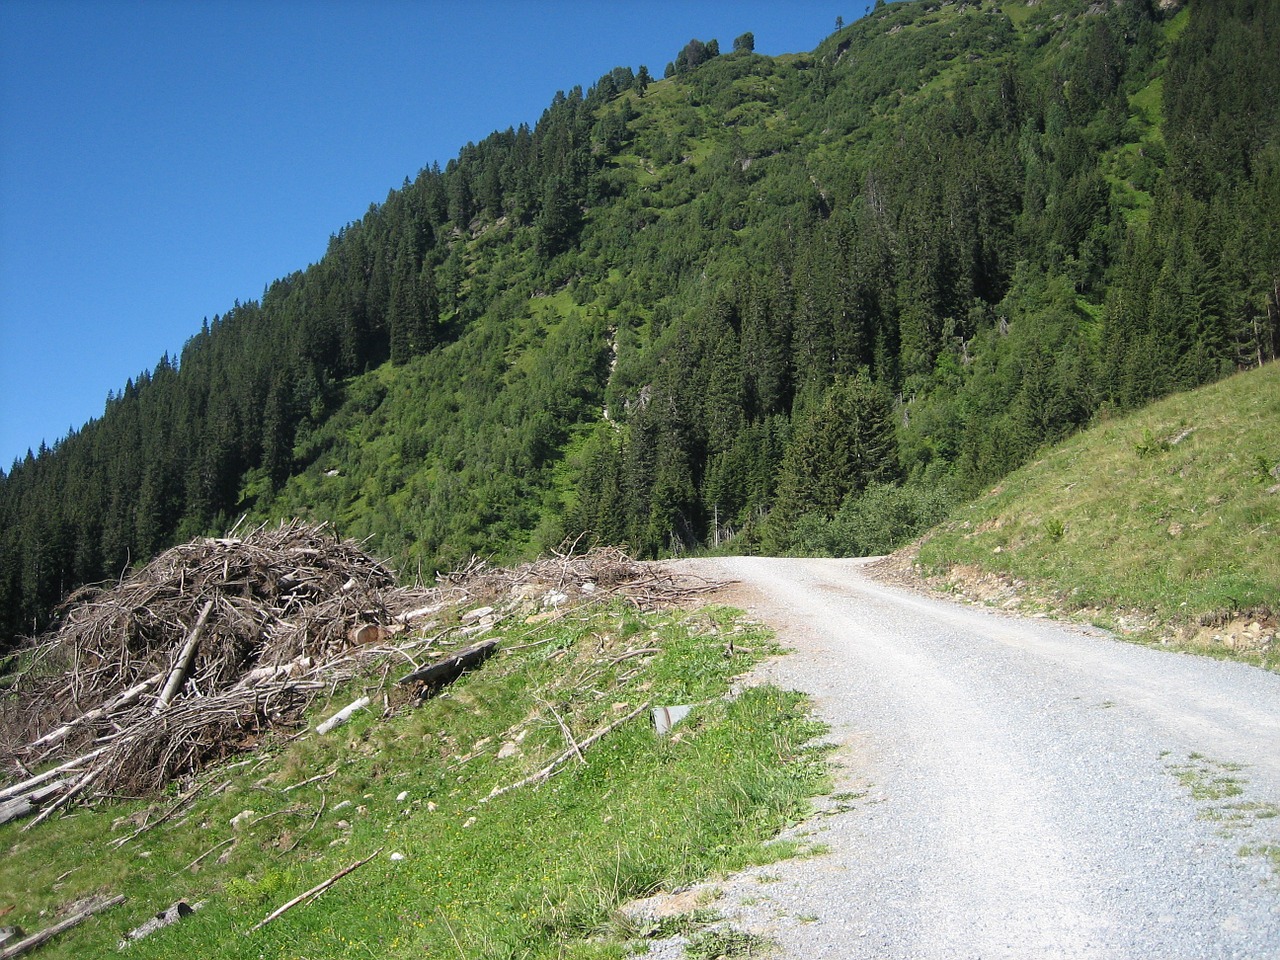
<point x="755" y="302"/>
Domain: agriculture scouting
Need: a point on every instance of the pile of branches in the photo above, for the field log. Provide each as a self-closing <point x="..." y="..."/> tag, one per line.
<point x="190" y="659"/>
<point x="599" y="573"/>
<point x="148" y="679"/>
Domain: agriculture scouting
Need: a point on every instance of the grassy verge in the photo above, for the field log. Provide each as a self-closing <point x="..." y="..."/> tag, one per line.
<point x="537" y="872"/>
<point x="1163" y="524"/>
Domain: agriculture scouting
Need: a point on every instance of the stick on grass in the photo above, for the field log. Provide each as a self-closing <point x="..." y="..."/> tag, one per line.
<point x="315" y="891"/>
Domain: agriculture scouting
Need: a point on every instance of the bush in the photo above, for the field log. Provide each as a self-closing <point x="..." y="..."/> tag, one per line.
<point x="877" y="521"/>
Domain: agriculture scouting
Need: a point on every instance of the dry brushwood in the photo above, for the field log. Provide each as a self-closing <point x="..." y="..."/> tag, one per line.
<point x="243" y="631"/>
<point x="599" y="573"/>
<point x="212" y="643"/>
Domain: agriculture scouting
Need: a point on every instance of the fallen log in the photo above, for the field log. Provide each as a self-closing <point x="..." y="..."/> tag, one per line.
<point x="342" y="716"/>
<point x="165" y="918"/>
<point x="26" y="785"/>
<point x="48" y="933"/>
<point x="66" y="797"/>
<point x="127" y="698"/>
<point x="446" y="671"/>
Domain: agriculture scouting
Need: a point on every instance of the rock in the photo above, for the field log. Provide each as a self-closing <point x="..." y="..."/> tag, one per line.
<point x="508" y="750"/>
<point x="242" y="818"/>
<point x="397" y="856"/>
<point x="431" y="806"/>
<point x="402" y="796"/>
<point x="340" y="806"/>
<point x="471" y="822"/>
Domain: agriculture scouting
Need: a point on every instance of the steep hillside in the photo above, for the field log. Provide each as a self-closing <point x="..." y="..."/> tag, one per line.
<point x="1163" y="522"/>
<point x="724" y="306"/>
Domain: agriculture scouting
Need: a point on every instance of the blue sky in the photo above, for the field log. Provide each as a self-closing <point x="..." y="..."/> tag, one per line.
<point x="160" y="160"/>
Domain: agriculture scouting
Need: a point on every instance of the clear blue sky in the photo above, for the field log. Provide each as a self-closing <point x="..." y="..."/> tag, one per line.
<point x="160" y="160"/>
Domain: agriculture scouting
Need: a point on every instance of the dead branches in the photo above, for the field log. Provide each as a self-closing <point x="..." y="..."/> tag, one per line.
<point x="568" y="577"/>
<point x="213" y="643"/>
<point x="244" y="632"/>
<point x="576" y="749"/>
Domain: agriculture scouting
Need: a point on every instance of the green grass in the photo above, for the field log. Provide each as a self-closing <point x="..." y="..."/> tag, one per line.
<point x="538" y="872"/>
<point x="1169" y="517"/>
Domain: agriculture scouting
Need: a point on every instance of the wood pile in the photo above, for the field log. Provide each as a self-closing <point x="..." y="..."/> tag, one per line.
<point x="181" y="663"/>
<point x="214" y="642"/>
<point x="608" y="571"/>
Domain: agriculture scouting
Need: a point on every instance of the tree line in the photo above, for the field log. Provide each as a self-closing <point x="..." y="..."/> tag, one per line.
<point x="793" y="304"/>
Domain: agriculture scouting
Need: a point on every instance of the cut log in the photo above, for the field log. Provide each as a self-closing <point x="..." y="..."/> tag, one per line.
<point x="420" y="612"/>
<point x="29" y="803"/>
<point x="165" y="918"/>
<point x="342" y="716"/>
<point x="260" y="674"/>
<point x="446" y="671"/>
<point x="183" y="665"/>
<point x="48" y="933"/>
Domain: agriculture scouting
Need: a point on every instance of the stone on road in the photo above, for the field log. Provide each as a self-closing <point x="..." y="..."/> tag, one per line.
<point x="1011" y="787"/>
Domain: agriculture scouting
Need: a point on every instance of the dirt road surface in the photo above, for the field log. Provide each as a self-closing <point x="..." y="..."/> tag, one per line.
<point x="1012" y="788"/>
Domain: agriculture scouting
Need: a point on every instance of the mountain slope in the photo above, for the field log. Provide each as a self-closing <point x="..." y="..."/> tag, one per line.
<point x="973" y="226"/>
<point x="1164" y="519"/>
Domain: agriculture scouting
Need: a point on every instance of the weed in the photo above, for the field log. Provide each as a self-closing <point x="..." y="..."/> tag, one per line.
<point x="1268" y="851"/>
<point x="1221" y="801"/>
<point x="1149" y="446"/>
<point x="726" y="942"/>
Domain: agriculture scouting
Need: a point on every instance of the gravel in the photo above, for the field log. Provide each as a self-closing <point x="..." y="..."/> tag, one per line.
<point x="1012" y="787"/>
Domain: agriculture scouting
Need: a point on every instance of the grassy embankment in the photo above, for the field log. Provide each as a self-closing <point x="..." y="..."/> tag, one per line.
<point x="537" y="872"/>
<point x="1163" y="524"/>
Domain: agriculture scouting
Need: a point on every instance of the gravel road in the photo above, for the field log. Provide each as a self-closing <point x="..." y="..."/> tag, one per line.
<point x="1012" y="787"/>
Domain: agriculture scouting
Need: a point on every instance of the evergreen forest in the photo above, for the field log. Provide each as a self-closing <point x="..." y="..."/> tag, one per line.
<point x="804" y="303"/>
